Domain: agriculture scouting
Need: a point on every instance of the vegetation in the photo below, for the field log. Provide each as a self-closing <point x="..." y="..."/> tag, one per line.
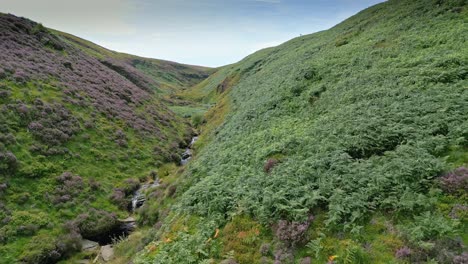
<point x="360" y="124"/>
<point x="344" y="146"/>
<point x="76" y="127"/>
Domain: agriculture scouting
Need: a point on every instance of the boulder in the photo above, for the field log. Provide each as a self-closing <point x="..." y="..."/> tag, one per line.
<point x="83" y="261"/>
<point x="128" y="220"/>
<point x="89" y="245"/>
<point x="107" y="253"/>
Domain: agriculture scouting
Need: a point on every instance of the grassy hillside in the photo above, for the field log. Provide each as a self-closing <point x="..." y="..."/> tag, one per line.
<point x="168" y="76"/>
<point x="80" y="128"/>
<point x="345" y="146"/>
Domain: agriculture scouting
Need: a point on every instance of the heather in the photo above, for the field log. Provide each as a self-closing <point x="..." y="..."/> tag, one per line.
<point x="362" y="126"/>
<point x="75" y="127"/>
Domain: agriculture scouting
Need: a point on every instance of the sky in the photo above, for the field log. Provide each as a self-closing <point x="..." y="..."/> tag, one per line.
<point x="199" y="32"/>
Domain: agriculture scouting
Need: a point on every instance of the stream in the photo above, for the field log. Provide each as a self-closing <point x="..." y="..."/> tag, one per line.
<point x="128" y="225"/>
<point x="139" y="198"/>
<point x="187" y="155"/>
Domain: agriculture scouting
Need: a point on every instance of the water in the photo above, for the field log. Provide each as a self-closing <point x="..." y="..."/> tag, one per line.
<point x="187" y="155"/>
<point x="126" y="227"/>
<point x="139" y="198"/>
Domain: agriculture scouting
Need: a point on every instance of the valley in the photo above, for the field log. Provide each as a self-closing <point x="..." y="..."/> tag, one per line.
<point x="348" y="145"/>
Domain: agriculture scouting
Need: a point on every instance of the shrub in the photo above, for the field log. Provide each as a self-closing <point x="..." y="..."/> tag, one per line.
<point x="455" y="181"/>
<point x="428" y="226"/>
<point x="38" y="28"/>
<point x="69" y="244"/>
<point x="311" y="74"/>
<point x="41" y="249"/>
<point x="69" y="187"/>
<point x="121" y="143"/>
<point x="121" y="139"/>
<point x="265" y="249"/>
<point x="461" y="259"/>
<point x="94" y="184"/>
<point x="8" y="163"/>
<point x="270" y="164"/>
<point x="442" y="250"/>
<point x="20" y="76"/>
<point x="119" y="198"/>
<point x="197" y="120"/>
<point x="27" y="230"/>
<point x="459" y="211"/>
<point x="131" y="185"/>
<point x="284" y="256"/>
<point x="36" y="169"/>
<point x="403" y="253"/>
<point x="95" y="223"/>
<point x="148" y="214"/>
<point x="89" y="124"/>
<point x="7" y="139"/>
<point x="3" y="188"/>
<point x="23" y="223"/>
<point x="52" y="124"/>
<point x="171" y="190"/>
<point x="341" y="42"/>
<point x="292" y="233"/>
<point x="3" y="74"/>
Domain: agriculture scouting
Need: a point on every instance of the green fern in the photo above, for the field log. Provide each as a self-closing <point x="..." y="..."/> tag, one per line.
<point x="229" y="255"/>
<point x="315" y="246"/>
<point x="355" y="255"/>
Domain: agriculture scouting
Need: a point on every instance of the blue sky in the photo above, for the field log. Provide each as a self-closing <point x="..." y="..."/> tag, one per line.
<point x="201" y="32"/>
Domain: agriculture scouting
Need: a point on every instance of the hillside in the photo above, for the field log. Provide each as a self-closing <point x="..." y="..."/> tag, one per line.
<point x="345" y="146"/>
<point x="80" y="128"/>
<point x="168" y="77"/>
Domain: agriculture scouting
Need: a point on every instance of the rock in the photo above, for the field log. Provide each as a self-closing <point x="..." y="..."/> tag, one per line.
<point x="228" y="261"/>
<point x="89" y="245"/>
<point x="128" y="220"/>
<point x="83" y="261"/>
<point x="107" y="253"/>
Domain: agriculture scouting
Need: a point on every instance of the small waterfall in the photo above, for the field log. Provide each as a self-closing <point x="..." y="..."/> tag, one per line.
<point x="139" y="198"/>
<point x="187" y="155"/>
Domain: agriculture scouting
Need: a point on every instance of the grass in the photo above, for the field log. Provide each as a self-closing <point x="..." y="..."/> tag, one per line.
<point x="190" y="111"/>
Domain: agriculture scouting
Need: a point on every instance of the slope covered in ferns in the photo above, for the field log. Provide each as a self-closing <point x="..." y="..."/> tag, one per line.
<point x="351" y="143"/>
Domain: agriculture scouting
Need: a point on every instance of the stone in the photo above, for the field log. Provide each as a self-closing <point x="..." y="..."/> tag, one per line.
<point x="128" y="220"/>
<point x="89" y="245"/>
<point x="107" y="253"/>
<point x="83" y="261"/>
